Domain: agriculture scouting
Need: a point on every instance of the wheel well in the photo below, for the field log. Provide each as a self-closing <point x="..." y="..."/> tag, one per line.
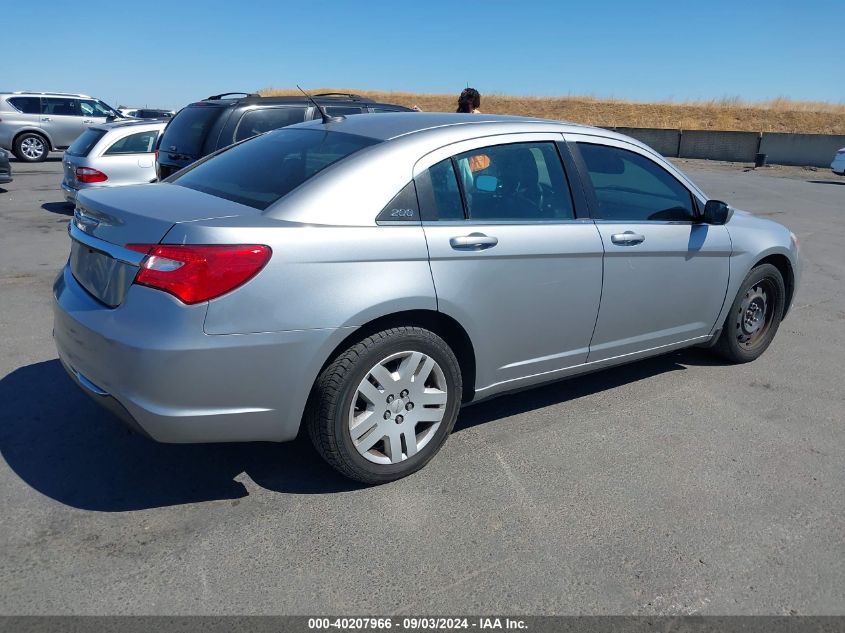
<point x="781" y="262"/>
<point x="38" y="133"/>
<point x="444" y="326"/>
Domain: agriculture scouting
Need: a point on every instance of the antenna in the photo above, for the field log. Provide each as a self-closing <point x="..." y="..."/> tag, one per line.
<point x="326" y="118"/>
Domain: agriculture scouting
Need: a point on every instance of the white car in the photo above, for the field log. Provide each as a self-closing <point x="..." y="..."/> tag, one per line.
<point x="111" y="155"/>
<point x="146" y="113"/>
<point x="838" y="164"/>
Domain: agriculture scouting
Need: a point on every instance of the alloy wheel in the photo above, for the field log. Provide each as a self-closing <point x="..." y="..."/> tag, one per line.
<point x="32" y="147"/>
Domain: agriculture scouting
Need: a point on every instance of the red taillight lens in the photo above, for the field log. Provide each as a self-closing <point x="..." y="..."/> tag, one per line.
<point x="198" y="273"/>
<point x="89" y="174"/>
<point x="156" y="154"/>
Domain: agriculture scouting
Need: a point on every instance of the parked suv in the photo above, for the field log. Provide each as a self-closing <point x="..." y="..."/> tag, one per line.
<point x="206" y="126"/>
<point x="34" y="123"/>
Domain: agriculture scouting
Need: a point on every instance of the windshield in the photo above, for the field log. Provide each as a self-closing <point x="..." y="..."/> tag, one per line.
<point x="188" y="130"/>
<point x="85" y="142"/>
<point x="266" y="168"/>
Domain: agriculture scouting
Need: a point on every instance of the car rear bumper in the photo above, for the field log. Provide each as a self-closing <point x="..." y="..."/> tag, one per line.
<point x="70" y="192"/>
<point x="149" y="362"/>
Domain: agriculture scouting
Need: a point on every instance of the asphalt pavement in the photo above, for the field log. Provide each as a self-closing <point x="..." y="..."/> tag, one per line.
<point x="676" y="485"/>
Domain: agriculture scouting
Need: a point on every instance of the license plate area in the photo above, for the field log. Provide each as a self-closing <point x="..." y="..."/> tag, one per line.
<point x="104" y="277"/>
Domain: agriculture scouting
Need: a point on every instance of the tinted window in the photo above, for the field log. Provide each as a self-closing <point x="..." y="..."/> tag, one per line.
<point x="259" y="121"/>
<point x="85" y="142"/>
<point x="91" y="107"/>
<point x="521" y="181"/>
<point x="439" y="195"/>
<point x="60" y="106"/>
<point x="340" y="110"/>
<point x="187" y="131"/>
<point x="260" y="171"/>
<point x="140" y="143"/>
<point x="27" y="105"/>
<point x="629" y="186"/>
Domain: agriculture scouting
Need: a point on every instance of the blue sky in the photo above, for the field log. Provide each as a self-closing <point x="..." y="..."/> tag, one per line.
<point x="181" y="51"/>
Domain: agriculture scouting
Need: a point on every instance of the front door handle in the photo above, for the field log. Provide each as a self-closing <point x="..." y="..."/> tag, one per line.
<point x="473" y="242"/>
<point x="87" y="120"/>
<point x="628" y="238"/>
<point x="46" y="118"/>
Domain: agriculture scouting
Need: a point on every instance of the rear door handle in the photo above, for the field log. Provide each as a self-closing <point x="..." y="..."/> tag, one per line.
<point x="46" y="118"/>
<point x="628" y="238"/>
<point x="473" y="242"/>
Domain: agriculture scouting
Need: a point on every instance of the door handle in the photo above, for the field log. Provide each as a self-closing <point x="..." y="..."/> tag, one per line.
<point x="87" y="121"/>
<point x="473" y="242"/>
<point x="628" y="238"/>
<point x="46" y="118"/>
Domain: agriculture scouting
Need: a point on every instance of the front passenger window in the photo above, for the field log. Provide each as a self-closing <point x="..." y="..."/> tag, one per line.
<point x="630" y="187"/>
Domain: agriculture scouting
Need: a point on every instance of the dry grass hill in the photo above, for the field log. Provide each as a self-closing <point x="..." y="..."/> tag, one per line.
<point x="777" y="115"/>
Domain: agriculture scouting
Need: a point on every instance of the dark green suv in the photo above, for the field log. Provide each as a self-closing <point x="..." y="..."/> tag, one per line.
<point x="205" y="126"/>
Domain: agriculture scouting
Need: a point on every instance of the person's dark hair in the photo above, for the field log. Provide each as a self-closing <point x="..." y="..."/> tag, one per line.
<point x="469" y="100"/>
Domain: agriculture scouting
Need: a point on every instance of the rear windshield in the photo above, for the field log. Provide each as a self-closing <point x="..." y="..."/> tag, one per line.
<point x="266" y="168"/>
<point x="85" y="142"/>
<point x="188" y="129"/>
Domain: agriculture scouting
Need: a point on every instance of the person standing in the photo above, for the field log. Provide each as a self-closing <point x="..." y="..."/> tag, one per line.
<point x="469" y="101"/>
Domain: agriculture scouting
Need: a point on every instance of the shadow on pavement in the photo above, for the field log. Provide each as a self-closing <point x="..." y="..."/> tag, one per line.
<point x="62" y="208"/>
<point x="827" y="182"/>
<point x="65" y="446"/>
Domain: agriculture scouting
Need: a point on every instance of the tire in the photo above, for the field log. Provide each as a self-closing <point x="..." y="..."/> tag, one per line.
<point x="370" y="429"/>
<point x="31" y="147"/>
<point x="754" y="317"/>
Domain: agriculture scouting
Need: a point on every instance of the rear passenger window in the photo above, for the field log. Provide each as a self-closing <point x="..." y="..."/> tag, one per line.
<point x="630" y="187"/>
<point x="61" y="107"/>
<point x="259" y="121"/>
<point x="140" y="143"/>
<point x="516" y="182"/>
<point x="438" y="192"/>
<point x="27" y="105"/>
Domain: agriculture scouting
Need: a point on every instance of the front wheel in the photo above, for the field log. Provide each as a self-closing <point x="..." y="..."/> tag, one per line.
<point x="754" y="317"/>
<point x="385" y="406"/>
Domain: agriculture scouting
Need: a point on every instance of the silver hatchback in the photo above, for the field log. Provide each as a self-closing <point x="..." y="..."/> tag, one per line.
<point x="366" y="277"/>
<point x="111" y="155"/>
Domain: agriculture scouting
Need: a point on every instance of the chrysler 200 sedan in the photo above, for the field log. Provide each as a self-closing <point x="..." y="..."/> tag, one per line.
<point x="367" y="276"/>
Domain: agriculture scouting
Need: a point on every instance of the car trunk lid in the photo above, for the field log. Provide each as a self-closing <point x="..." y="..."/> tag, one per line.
<point x="107" y="219"/>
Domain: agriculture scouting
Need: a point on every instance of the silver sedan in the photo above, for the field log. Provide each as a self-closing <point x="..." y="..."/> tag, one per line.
<point x="367" y="276"/>
<point x="111" y="155"/>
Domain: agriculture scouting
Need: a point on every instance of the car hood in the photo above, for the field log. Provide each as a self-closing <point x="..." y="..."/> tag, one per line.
<point x="143" y="214"/>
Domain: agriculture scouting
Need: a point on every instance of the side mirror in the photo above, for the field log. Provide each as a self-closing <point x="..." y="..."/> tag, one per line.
<point x="486" y="183"/>
<point x="716" y="212"/>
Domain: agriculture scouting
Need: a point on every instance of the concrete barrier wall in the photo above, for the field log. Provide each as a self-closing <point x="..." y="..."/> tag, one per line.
<point x="663" y="141"/>
<point x="817" y="150"/>
<point x="735" y="146"/>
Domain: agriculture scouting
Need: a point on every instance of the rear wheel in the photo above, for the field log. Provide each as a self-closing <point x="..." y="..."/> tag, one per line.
<point x="754" y="317"/>
<point x="31" y="147"/>
<point x="385" y="406"/>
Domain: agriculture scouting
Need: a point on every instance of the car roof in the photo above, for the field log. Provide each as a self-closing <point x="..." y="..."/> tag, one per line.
<point x="28" y="93"/>
<point x="322" y="99"/>
<point x="391" y="125"/>
<point x="141" y="125"/>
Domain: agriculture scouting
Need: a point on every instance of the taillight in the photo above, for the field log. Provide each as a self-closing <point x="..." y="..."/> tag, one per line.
<point x="196" y="273"/>
<point x="156" y="153"/>
<point x="89" y="174"/>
